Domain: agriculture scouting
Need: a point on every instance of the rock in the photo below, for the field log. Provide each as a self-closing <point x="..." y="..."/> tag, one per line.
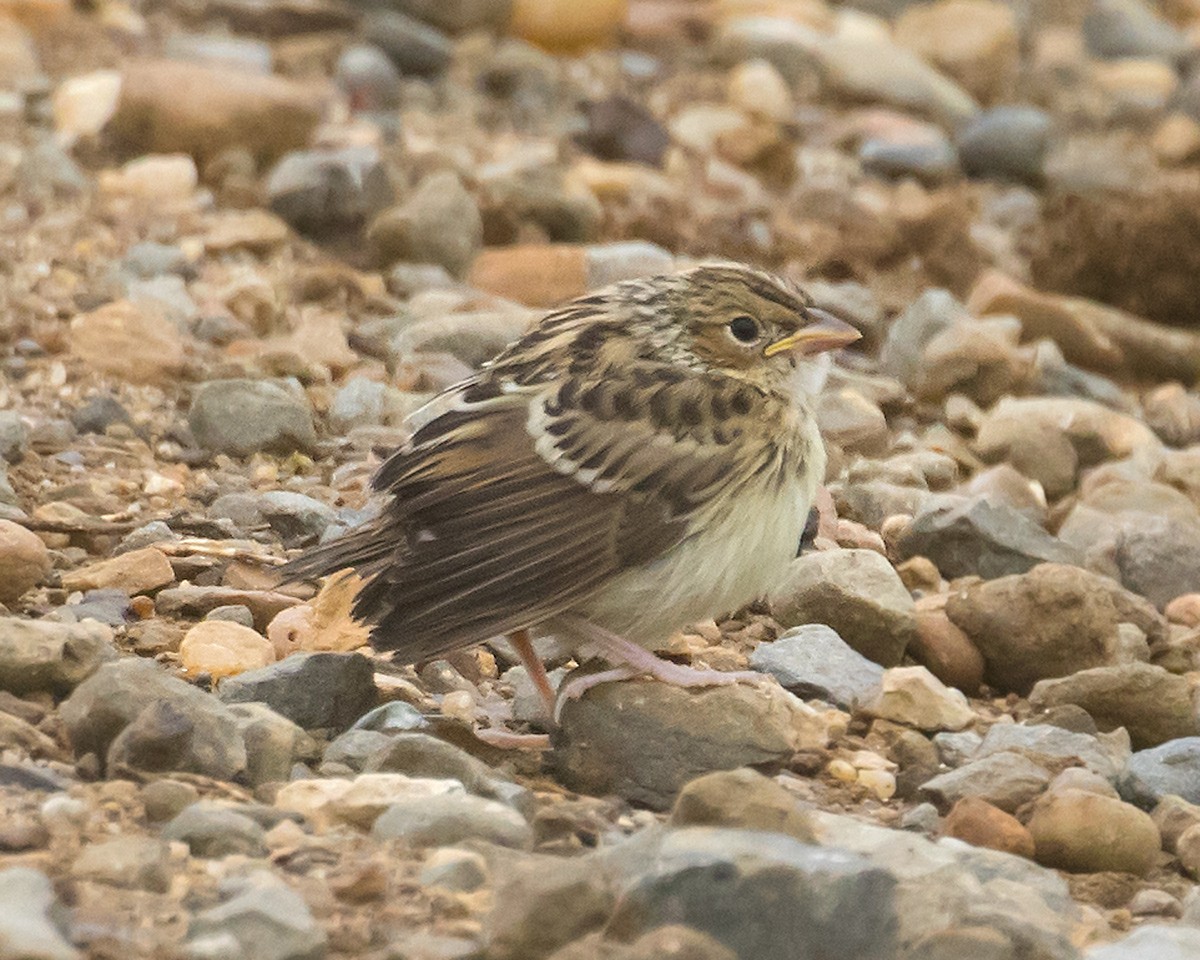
<point x="98" y="414"/>
<point x="930" y="161"/>
<point x="360" y="802"/>
<point x="1171" y="768"/>
<point x="812" y="661"/>
<point x="851" y="421"/>
<point x="933" y="312"/>
<point x="213" y="830"/>
<point x="42" y="655"/>
<point x="1174" y="816"/>
<point x="1159" y="559"/>
<point x="982" y="538"/>
<point x="1006" y="143"/>
<point x="368" y="78"/>
<point x="1005" y="780"/>
<point x="1187" y="849"/>
<point x="600" y="745"/>
<point x="541" y="903"/>
<point x="714" y="880"/>
<point x="564" y="27"/>
<point x="619" y="129"/>
<point x="1118" y="29"/>
<point x="131" y="342"/>
<point x="32" y="921"/>
<point x="450" y="868"/>
<point x="256" y="231"/>
<point x="24" y="561"/>
<point x="980" y="824"/>
<point x="416" y="48"/>
<point x="133" y="862"/>
<point x="744" y="799"/>
<point x="458" y="16"/>
<point x="1151" y="942"/>
<point x="973" y="41"/>
<point x="1172" y="412"/>
<point x="1053" y="747"/>
<point x="1086" y="833"/>
<point x="946" y="652"/>
<point x="1050" y="622"/>
<point x="139" y="571"/>
<point x="440" y="224"/>
<point x="265" y="920"/>
<point x="274" y="745"/>
<point x="421" y="755"/>
<point x="298" y="519"/>
<point x="14" y="436"/>
<point x="164" y="799"/>
<point x="201" y="735"/>
<point x="362" y="402"/>
<point x="190" y="603"/>
<point x="915" y="697"/>
<point x="242" y="417"/>
<point x="1153" y="705"/>
<point x="170" y="106"/>
<point x="327" y="193"/>
<point x="232" y="613"/>
<point x="440" y="821"/>
<point x="314" y="690"/>
<point x="857" y="593"/>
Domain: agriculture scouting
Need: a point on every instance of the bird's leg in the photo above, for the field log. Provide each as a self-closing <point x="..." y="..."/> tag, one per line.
<point x="634" y="660"/>
<point x="534" y="667"/>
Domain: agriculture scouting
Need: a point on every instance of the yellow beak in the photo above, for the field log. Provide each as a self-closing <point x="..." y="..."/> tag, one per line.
<point x="826" y="333"/>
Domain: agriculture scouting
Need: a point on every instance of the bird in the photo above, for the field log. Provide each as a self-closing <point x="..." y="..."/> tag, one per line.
<point x="642" y="458"/>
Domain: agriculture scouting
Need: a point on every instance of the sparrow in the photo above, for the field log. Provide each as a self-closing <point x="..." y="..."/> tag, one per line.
<point x="643" y="458"/>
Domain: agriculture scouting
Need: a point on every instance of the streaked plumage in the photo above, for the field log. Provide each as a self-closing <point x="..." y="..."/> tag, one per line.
<point x="630" y="461"/>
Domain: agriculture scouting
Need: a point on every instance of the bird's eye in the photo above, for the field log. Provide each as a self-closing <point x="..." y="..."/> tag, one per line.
<point x="744" y="329"/>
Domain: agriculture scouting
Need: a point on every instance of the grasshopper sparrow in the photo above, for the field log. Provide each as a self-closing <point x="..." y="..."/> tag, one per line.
<point x="644" y="457"/>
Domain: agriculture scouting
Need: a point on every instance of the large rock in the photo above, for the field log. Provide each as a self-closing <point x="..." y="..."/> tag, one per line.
<point x="1170" y="768"/>
<point x="1152" y="704"/>
<point x="175" y="107"/>
<point x="644" y="740"/>
<point x="179" y="727"/>
<point x="1053" y="747"/>
<point x="812" y="661"/>
<point x="452" y="819"/>
<point x="45" y="655"/>
<point x="264" y="918"/>
<point x="242" y="417"/>
<point x="1087" y="833"/>
<point x="1005" y="780"/>
<point x="1050" y="622"/>
<point x="857" y="593"/>
<point x="915" y="697"/>
<point x="313" y="690"/>
<point x="763" y="895"/>
<point x="981" y="538"/>
<point x="24" y="559"/>
<point x="139" y="571"/>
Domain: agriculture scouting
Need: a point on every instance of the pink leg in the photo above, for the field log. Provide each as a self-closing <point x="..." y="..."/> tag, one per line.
<point x="637" y="660"/>
<point x="503" y="740"/>
<point x="534" y="666"/>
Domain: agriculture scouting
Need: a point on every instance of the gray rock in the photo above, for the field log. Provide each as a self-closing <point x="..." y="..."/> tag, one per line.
<point x="233" y="613"/>
<point x="933" y="162"/>
<point x="352" y="749"/>
<point x="133" y="862"/>
<point x="48" y="171"/>
<point x="1152" y="704"/>
<point x="243" y="509"/>
<point x="98" y="414"/>
<point x="982" y="538"/>
<point x="1005" y="779"/>
<point x="453" y="818"/>
<point x="601" y="745"/>
<point x="416" y="48"/>
<point x="1050" y="622"/>
<point x="420" y="755"/>
<point x="1053" y="747"/>
<point x="394" y="717"/>
<point x="455" y="869"/>
<point x="213" y="830"/>
<point x="273" y="743"/>
<point x="298" y="519"/>
<point x="14" y="436"/>
<point x="857" y="593"/>
<point x="765" y="896"/>
<point x="197" y="732"/>
<point x="156" y="531"/>
<point x="149" y="259"/>
<point x="1171" y="768"/>
<point x="457" y="16"/>
<point x="242" y="417"/>
<point x="1117" y="29"/>
<point x="110" y="607"/>
<point x="931" y="313"/>
<point x="164" y="799"/>
<point x="329" y="193"/>
<point x="368" y="78"/>
<point x="41" y="655"/>
<point x="1152" y="942"/>
<point x="32" y="921"/>
<point x="812" y="661"/>
<point x="527" y="703"/>
<point x="1006" y="143"/>
<point x="266" y="920"/>
<point x="361" y="402"/>
<point x="541" y="903"/>
<point x="314" y="690"/>
<point x="440" y="223"/>
<point x="955" y="749"/>
<point x="1159" y="559"/>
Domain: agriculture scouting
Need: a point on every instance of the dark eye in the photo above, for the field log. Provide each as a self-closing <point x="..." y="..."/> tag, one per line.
<point x="744" y="329"/>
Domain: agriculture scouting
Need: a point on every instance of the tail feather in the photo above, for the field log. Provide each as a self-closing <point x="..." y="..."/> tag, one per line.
<point x="366" y="549"/>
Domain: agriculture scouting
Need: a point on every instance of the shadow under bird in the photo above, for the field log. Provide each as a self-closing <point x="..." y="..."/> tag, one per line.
<point x="644" y="457"/>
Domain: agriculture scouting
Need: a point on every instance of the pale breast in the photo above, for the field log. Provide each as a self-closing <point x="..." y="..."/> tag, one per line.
<point x="737" y="554"/>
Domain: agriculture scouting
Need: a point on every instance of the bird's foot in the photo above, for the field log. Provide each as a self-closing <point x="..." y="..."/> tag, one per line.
<point x="504" y="740"/>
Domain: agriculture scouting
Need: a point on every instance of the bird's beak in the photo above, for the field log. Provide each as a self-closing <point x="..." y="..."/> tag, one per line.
<point x="826" y="332"/>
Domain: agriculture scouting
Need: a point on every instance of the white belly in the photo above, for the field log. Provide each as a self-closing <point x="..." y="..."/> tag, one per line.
<point x="743" y="551"/>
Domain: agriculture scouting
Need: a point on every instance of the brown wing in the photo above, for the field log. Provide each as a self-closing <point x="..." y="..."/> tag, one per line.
<point x="515" y="503"/>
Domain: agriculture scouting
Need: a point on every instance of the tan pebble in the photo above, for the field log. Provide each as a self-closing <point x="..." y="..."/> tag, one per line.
<point x="920" y="574"/>
<point x="1187" y="849"/>
<point x="459" y="705"/>
<point x="566" y="26"/>
<point x="138" y="571"/>
<point x="842" y="770"/>
<point x="946" y="651"/>
<point x="1177" y="139"/>
<point x="24" y="560"/>
<point x="539" y="275"/>
<point x="881" y="783"/>
<point x="756" y="87"/>
<point x="222" y="648"/>
<point x="1184" y="609"/>
<point x="128" y="341"/>
<point x="981" y="824"/>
